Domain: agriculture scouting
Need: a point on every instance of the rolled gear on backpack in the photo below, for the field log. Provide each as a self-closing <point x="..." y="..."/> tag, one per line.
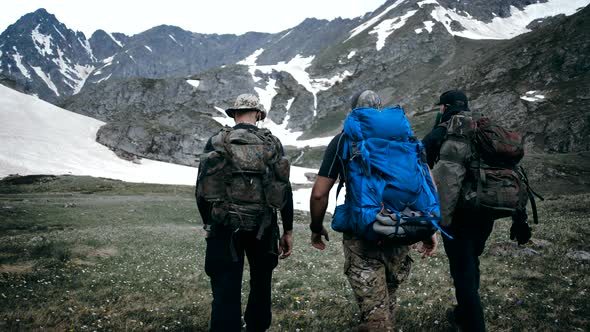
<point x="407" y="227"/>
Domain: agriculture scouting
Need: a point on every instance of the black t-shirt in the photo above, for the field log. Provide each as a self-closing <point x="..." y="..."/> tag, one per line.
<point x="286" y="211"/>
<point x="332" y="164"/>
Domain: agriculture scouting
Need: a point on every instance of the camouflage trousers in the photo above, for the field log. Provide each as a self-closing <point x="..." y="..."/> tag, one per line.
<point x="375" y="273"/>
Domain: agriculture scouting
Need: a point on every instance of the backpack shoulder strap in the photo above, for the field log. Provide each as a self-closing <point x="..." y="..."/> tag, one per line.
<point x="343" y="156"/>
<point x="461" y="124"/>
<point x="218" y="140"/>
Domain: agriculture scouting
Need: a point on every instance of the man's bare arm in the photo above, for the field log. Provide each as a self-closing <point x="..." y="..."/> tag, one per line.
<point x="318" y="204"/>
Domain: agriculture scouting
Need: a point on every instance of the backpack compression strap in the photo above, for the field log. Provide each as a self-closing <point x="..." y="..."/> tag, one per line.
<point x="531" y="193"/>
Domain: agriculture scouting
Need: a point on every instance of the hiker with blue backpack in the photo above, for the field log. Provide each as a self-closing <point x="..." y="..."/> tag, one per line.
<point x="390" y="204"/>
<point x="475" y="164"/>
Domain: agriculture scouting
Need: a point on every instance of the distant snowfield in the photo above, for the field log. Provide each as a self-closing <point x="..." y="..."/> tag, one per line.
<point x="509" y="27"/>
<point x="498" y="28"/>
<point x="39" y="138"/>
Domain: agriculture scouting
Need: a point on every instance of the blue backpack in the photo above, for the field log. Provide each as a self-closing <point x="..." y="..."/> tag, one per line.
<point x="384" y="174"/>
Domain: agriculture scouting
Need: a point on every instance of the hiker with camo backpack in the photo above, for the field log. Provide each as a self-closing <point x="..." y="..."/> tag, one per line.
<point x="475" y="164"/>
<point x="243" y="180"/>
<point x="390" y="204"/>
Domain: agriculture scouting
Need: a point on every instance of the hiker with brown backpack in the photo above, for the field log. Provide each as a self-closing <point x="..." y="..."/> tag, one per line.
<point x="475" y="165"/>
<point x="243" y="181"/>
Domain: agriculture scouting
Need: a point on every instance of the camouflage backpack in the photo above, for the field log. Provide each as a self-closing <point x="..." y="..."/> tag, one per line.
<point x="245" y="177"/>
<point x="494" y="183"/>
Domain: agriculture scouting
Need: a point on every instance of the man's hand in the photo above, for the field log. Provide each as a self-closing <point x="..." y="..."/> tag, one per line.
<point x="521" y="232"/>
<point x="428" y="247"/>
<point x="207" y="229"/>
<point x="316" y="239"/>
<point x="286" y="245"/>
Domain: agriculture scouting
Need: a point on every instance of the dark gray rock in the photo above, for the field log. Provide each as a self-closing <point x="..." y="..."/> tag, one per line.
<point x="581" y="256"/>
<point x="510" y="249"/>
<point x="104" y="46"/>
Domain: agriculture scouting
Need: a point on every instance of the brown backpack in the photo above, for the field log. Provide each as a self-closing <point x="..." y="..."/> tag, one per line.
<point x="494" y="183"/>
<point x="245" y="177"/>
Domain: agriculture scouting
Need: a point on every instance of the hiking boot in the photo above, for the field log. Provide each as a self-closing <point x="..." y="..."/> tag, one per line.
<point x="453" y="318"/>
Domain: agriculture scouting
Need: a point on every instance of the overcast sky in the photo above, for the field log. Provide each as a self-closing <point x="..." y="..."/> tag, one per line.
<point x="211" y="16"/>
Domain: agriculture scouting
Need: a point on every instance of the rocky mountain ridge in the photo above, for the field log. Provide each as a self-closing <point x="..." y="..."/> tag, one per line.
<point x="408" y="51"/>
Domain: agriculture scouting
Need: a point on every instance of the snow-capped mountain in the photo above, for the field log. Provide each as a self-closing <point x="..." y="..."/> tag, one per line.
<point x="45" y="57"/>
<point x="51" y="60"/>
<point x="162" y="92"/>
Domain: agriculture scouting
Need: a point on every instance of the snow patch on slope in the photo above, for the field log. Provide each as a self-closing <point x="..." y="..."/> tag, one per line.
<point x="387" y="27"/>
<point x="427" y="26"/>
<point x="42" y="42"/>
<point x="266" y="95"/>
<point x="251" y="59"/>
<point x="296" y="67"/>
<point x="87" y="47"/>
<point x="425" y="2"/>
<point x="373" y="21"/>
<point x="74" y="73"/>
<point x="114" y="39"/>
<point x="532" y="96"/>
<point x="19" y="64"/>
<point x="59" y="32"/>
<point x="509" y="27"/>
<point x="46" y="79"/>
<point x="104" y="78"/>
<point x="174" y="39"/>
<point x="194" y="83"/>
<point x="289" y="103"/>
<point x="83" y="73"/>
<point x="285" y="35"/>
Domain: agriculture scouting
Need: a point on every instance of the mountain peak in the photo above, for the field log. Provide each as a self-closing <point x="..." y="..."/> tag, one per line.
<point x="39" y="16"/>
<point x="41" y="11"/>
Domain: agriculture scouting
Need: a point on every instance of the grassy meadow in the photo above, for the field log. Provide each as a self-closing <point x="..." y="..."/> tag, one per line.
<point x="85" y="254"/>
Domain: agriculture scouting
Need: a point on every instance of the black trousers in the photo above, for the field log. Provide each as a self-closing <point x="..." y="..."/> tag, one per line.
<point x="226" y="277"/>
<point x="470" y="233"/>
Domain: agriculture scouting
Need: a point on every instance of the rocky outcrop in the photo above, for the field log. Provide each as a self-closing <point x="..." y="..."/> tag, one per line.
<point x="537" y="83"/>
<point x="162" y="119"/>
<point x="105" y="45"/>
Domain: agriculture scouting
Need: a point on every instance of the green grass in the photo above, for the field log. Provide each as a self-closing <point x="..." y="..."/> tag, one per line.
<point x="94" y="254"/>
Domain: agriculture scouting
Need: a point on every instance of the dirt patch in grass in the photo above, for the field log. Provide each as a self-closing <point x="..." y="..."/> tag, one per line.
<point x="17" y="268"/>
<point x="103" y="252"/>
<point x="81" y="262"/>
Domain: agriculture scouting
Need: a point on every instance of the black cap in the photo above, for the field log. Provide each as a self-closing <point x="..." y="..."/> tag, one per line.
<point x="453" y="98"/>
